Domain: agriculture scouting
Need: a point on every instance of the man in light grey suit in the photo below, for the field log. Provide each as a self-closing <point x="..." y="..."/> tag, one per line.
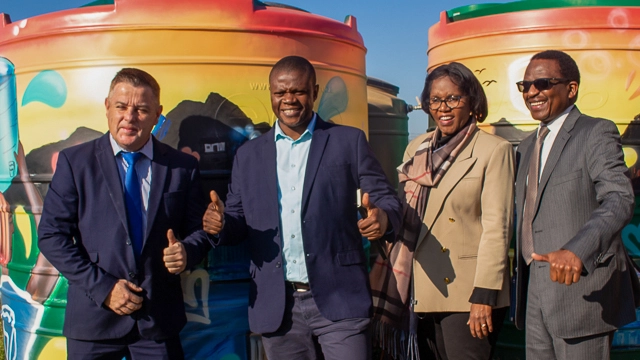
<point x="574" y="279"/>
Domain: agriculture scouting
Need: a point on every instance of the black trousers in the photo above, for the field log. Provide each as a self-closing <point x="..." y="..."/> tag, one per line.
<point x="446" y="336"/>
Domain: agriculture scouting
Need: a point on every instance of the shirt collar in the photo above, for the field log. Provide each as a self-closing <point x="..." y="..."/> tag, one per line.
<point x="555" y="124"/>
<point x="279" y="134"/>
<point x="146" y="150"/>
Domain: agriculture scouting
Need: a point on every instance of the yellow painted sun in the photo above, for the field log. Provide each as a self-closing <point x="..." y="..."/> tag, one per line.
<point x="55" y="349"/>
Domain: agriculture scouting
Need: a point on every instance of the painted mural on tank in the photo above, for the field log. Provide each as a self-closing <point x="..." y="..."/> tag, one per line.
<point x="215" y="99"/>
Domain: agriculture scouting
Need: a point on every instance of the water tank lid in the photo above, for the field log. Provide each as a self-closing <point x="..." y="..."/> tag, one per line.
<point x="275" y="4"/>
<point x="383" y="85"/>
<point x="256" y="2"/>
<point x="98" y="3"/>
<point x="474" y="11"/>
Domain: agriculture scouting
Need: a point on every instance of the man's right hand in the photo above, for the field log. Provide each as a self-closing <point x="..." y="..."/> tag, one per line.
<point x="122" y="299"/>
<point x="213" y="219"/>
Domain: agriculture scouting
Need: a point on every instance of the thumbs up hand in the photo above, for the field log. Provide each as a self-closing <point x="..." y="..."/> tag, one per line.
<point x="175" y="256"/>
<point x="376" y="222"/>
<point x="213" y="220"/>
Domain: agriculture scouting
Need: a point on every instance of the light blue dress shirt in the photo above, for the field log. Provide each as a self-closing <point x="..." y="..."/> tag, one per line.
<point x="291" y="165"/>
<point x="143" y="168"/>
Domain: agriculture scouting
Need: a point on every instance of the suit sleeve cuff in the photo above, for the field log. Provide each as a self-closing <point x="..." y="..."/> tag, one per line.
<point x="484" y="296"/>
<point x="390" y="235"/>
<point x="214" y="240"/>
<point x="101" y="291"/>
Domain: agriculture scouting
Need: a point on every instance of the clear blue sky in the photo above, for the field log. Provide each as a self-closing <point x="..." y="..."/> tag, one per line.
<point x="395" y="34"/>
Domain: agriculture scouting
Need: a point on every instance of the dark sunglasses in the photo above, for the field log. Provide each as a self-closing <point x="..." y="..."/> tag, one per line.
<point x="540" y="84"/>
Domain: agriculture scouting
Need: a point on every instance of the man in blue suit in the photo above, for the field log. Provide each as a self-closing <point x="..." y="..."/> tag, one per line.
<point x="293" y="197"/>
<point x="110" y="220"/>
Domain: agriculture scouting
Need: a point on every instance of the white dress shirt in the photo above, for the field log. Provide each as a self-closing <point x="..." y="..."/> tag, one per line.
<point x="554" y="127"/>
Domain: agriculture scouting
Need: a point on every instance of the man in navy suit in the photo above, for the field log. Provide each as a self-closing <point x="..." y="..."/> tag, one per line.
<point x="110" y="226"/>
<point x="293" y="197"/>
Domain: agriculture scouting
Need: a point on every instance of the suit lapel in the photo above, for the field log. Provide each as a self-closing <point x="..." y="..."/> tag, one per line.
<point x="109" y="168"/>
<point x="269" y="168"/>
<point x="439" y="193"/>
<point x="159" y="168"/>
<point x="556" y="150"/>
<point x="316" y="150"/>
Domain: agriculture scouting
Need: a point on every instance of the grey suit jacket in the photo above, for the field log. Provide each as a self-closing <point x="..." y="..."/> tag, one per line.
<point x="584" y="200"/>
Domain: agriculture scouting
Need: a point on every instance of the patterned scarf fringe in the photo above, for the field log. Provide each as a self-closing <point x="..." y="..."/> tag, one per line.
<point x="395" y="342"/>
<point x="412" y="349"/>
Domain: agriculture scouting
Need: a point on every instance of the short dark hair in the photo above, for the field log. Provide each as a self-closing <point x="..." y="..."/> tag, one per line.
<point x="136" y="77"/>
<point x="466" y="82"/>
<point x="294" y="63"/>
<point x="568" y="67"/>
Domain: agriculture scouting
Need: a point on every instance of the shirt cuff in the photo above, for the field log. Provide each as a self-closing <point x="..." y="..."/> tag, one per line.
<point x="484" y="296"/>
<point x="388" y="236"/>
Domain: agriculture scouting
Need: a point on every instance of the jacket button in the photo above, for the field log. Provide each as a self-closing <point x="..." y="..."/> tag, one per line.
<point x="132" y="274"/>
<point x="278" y="264"/>
<point x="447" y="280"/>
<point x="128" y="242"/>
<point x="444" y="249"/>
<point x="452" y="220"/>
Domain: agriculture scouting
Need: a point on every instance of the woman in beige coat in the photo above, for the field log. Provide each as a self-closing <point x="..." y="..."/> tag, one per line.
<point x="458" y="182"/>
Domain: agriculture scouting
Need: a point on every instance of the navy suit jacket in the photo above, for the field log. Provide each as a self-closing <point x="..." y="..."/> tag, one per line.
<point x="84" y="234"/>
<point x="340" y="161"/>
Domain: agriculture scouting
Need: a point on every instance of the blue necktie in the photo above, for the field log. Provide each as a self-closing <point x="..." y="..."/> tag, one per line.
<point x="133" y="199"/>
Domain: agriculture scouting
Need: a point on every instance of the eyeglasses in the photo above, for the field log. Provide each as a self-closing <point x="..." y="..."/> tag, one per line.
<point x="452" y="102"/>
<point x="540" y="84"/>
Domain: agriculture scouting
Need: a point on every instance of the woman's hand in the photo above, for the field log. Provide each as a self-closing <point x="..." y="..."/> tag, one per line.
<point x="479" y="322"/>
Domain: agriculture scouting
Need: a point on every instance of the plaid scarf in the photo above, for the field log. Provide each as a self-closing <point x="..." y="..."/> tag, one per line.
<point x="395" y="326"/>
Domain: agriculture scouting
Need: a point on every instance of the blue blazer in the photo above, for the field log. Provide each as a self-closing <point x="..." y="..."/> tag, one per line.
<point x="340" y="161"/>
<point x="83" y="233"/>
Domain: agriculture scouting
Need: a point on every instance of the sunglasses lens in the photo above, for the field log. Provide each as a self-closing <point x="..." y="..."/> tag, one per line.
<point x="542" y="84"/>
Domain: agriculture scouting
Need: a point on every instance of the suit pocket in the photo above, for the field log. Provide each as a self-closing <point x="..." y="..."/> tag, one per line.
<point x="604" y="259"/>
<point x="335" y="165"/>
<point x="351" y="257"/>
<point x="566" y="178"/>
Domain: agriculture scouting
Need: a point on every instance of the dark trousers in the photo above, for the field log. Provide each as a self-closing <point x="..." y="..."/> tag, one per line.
<point x="541" y="344"/>
<point x="131" y="347"/>
<point x="446" y="336"/>
<point x="307" y="335"/>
